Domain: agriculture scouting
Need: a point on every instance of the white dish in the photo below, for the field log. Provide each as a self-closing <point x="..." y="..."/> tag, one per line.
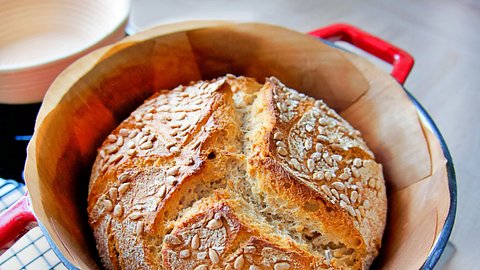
<point x="40" y="38"/>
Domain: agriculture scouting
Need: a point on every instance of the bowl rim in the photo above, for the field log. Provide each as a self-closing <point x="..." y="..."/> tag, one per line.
<point x="122" y="20"/>
<point x="442" y="239"/>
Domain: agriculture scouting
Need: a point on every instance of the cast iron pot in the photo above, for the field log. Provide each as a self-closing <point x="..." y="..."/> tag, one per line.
<point x="19" y="218"/>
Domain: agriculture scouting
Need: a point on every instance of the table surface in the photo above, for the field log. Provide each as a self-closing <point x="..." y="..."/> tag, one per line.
<point x="444" y="39"/>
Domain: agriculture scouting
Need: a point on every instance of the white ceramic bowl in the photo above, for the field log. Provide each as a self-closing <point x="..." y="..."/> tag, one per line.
<point x="40" y="38"/>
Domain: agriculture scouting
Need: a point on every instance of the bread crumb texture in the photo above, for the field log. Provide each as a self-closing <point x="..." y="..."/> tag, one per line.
<point x="234" y="174"/>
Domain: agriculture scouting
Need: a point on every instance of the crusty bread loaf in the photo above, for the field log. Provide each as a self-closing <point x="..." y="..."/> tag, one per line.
<point x="233" y="174"/>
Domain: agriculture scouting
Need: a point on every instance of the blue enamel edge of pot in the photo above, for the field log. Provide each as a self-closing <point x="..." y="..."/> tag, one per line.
<point x="442" y="239"/>
<point x="57" y="252"/>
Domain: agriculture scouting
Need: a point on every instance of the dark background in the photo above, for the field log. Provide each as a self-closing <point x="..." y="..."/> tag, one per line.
<point x="16" y="127"/>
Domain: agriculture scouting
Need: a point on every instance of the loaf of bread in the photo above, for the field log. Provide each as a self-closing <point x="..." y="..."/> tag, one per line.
<point x="234" y="174"/>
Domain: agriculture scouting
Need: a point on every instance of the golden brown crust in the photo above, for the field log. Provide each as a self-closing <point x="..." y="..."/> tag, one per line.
<point x="204" y="238"/>
<point x="231" y="174"/>
<point x="309" y="152"/>
<point x="211" y="235"/>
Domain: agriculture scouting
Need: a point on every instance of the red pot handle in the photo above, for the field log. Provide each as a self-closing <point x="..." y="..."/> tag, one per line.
<point x="16" y="221"/>
<point x="401" y="60"/>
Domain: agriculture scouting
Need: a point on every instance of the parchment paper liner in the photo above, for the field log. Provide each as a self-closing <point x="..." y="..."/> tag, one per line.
<point x="93" y="95"/>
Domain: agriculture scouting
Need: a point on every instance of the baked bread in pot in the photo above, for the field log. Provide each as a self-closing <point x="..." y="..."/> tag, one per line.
<point x="234" y="174"/>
